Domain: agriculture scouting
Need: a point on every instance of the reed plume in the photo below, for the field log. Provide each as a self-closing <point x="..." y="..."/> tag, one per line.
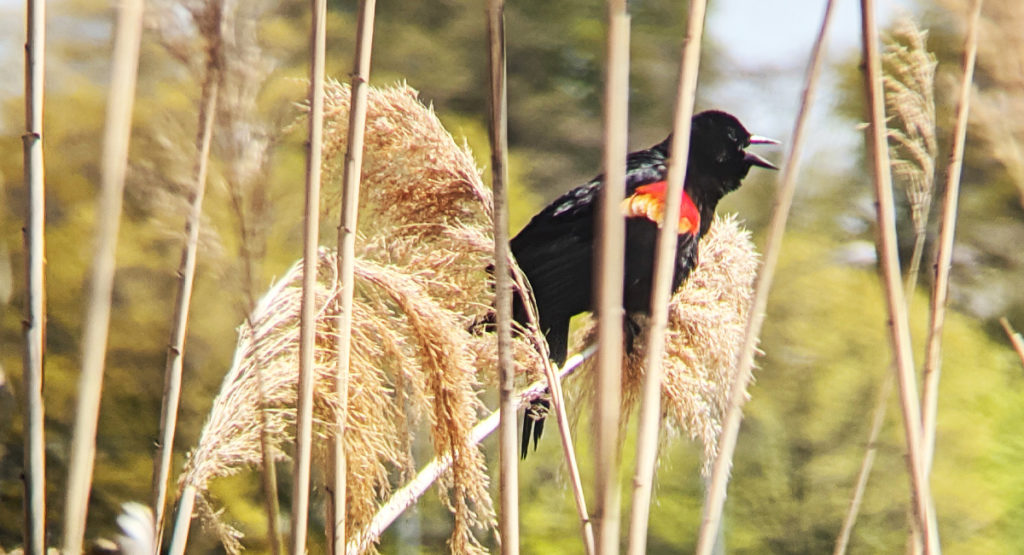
<point x="416" y="358"/>
<point x="909" y="80"/>
<point x="707" y="319"/>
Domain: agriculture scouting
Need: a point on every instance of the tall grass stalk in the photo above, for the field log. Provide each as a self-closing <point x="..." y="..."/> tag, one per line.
<point x="508" y="460"/>
<point x="909" y="83"/>
<point x="114" y="163"/>
<point x="944" y="257"/>
<point x="183" y="521"/>
<point x="304" y="417"/>
<point x="898" y="321"/>
<point x="186" y="275"/>
<point x="304" y="409"/>
<point x="877" y="420"/>
<point x="346" y="258"/>
<point x="715" y="501"/>
<point x="608" y="269"/>
<point x="34" y="325"/>
<point x="650" y="407"/>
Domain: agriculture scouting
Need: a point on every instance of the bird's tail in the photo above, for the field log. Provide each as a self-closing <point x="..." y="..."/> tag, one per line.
<point x="533" y="423"/>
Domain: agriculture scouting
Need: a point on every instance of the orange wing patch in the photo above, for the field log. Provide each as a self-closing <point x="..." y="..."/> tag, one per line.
<point x="648" y="201"/>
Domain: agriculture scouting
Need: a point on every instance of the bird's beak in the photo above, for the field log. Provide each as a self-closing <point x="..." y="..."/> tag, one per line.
<point x="755" y="160"/>
<point x="759" y="140"/>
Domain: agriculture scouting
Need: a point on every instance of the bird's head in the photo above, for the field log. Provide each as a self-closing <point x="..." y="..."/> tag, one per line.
<point x="718" y="159"/>
<point x="718" y="143"/>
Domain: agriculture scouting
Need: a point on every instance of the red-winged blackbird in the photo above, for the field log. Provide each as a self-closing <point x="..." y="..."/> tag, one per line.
<point x="555" y="250"/>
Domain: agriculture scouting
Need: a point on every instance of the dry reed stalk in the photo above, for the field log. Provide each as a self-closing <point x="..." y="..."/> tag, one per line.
<point x="407" y="495"/>
<point x="346" y="263"/>
<point x="176" y="348"/>
<point x="896" y="303"/>
<point x="715" y="500"/>
<point x="1015" y="338"/>
<point x="186" y="507"/>
<point x="420" y="284"/>
<point x="650" y="407"/>
<point x="611" y="241"/>
<point x="909" y="82"/>
<point x="34" y="324"/>
<point x="944" y="257"/>
<point x="211" y="24"/>
<point x="114" y="164"/>
<point x="539" y="350"/>
<point x="557" y="398"/>
<point x="508" y="460"/>
<point x="308" y="317"/>
<point x="241" y="144"/>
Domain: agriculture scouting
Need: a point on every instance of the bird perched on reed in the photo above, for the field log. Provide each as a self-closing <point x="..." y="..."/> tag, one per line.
<point x="555" y="249"/>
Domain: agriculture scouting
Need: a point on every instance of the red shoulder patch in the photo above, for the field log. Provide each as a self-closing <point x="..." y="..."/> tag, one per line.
<point x="648" y="201"/>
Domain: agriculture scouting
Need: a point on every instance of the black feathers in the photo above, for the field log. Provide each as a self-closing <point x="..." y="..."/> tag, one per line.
<point x="555" y="249"/>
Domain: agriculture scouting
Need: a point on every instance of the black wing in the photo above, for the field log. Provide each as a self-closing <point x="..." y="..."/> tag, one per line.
<point x="555" y="251"/>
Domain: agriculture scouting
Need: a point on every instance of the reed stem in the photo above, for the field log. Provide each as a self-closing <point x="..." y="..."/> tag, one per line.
<point x="307" y="333"/>
<point x="650" y="407"/>
<point x="34" y="324"/>
<point x="114" y="165"/>
<point x="346" y="257"/>
<point x="508" y="473"/>
<point x="898" y="320"/>
<point x="608" y="293"/>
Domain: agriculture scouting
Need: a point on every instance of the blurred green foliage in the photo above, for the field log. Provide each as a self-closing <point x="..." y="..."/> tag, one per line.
<point x="825" y="342"/>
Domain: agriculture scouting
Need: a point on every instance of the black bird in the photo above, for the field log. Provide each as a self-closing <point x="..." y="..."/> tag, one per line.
<point x="556" y="249"/>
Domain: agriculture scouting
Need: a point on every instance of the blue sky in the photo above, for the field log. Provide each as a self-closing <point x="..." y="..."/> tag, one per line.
<point x="774" y="38"/>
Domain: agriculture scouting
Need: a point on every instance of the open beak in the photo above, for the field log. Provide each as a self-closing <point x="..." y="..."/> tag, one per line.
<point x="755" y="160"/>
